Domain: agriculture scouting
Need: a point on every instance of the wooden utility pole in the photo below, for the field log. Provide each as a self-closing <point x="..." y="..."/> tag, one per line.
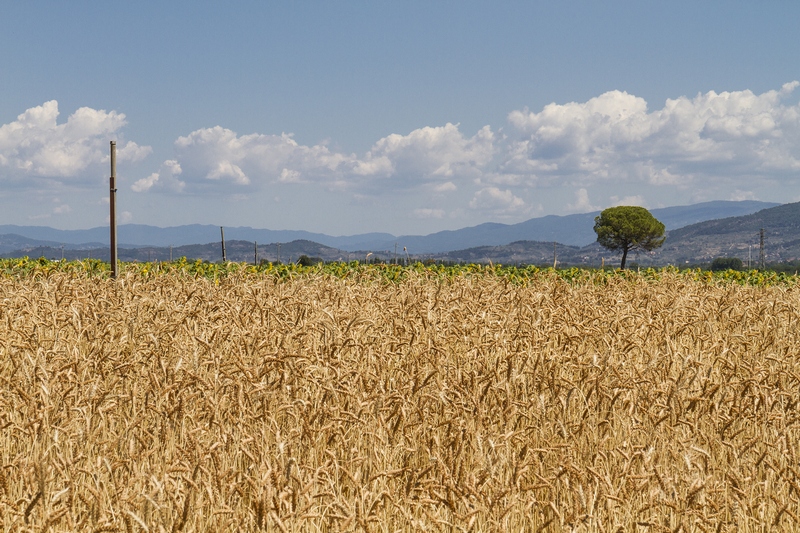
<point x="761" y="256"/>
<point x="255" y="252"/>
<point x="555" y="257"/>
<point x="222" y="234"/>
<point x="113" y="215"/>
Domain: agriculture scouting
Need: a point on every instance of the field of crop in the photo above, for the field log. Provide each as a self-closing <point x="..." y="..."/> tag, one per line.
<point x="344" y="398"/>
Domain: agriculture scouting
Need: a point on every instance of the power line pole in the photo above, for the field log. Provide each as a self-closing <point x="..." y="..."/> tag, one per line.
<point x="255" y="252"/>
<point x="761" y="256"/>
<point x="222" y="234"/>
<point x="555" y="257"/>
<point x="112" y="186"/>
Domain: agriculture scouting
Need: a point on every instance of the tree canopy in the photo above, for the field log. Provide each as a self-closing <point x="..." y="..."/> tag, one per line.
<point x="726" y="263"/>
<point x="626" y="228"/>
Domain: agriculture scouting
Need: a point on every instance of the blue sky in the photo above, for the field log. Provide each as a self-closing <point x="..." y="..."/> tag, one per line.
<point x="404" y="117"/>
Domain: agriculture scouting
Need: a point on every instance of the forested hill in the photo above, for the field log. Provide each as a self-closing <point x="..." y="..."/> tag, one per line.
<point x="694" y="244"/>
<point x="779" y="223"/>
<point x="738" y="237"/>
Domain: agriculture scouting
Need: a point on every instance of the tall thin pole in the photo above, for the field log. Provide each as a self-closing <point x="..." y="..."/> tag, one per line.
<point x="113" y="215"/>
<point x="555" y="257"/>
<point x="761" y="257"/>
<point x="255" y="252"/>
<point x="222" y="233"/>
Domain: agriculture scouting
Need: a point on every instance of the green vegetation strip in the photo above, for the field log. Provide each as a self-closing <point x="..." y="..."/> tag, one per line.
<point x="24" y="267"/>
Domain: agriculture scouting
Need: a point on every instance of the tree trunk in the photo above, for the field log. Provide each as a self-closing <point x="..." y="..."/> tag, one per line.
<point x="624" y="257"/>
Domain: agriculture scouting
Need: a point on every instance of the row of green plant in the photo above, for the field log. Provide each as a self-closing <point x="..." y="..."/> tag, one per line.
<point x="385" y="272"/>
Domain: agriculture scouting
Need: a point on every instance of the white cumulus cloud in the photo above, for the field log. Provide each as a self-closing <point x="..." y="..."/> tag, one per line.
<point x="37" y="146"/>
<point x="219" y="157"/>
<point x="497" y="202"/>
<point x="447" y="186"/>
<point x="165" y="179"/>
<point x="615" y="137"/>
<point x="433" y="153"/>
<point x="582" y="203"/>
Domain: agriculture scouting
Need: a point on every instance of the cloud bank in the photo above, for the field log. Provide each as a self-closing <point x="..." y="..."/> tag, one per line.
<point x="736" y="141"/>
<point x="219" y="159"/>
<point x="736" y="138"/>
<point x="727" y="136"/>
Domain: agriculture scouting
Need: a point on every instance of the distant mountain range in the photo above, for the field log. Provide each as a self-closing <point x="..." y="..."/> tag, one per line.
<point x="571" y="230"/>
<point x="693" y="243"/>
<point x="698" y="243"/>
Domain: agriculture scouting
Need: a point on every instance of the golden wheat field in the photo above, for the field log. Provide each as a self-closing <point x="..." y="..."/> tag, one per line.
<point x="464" y="403"/>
